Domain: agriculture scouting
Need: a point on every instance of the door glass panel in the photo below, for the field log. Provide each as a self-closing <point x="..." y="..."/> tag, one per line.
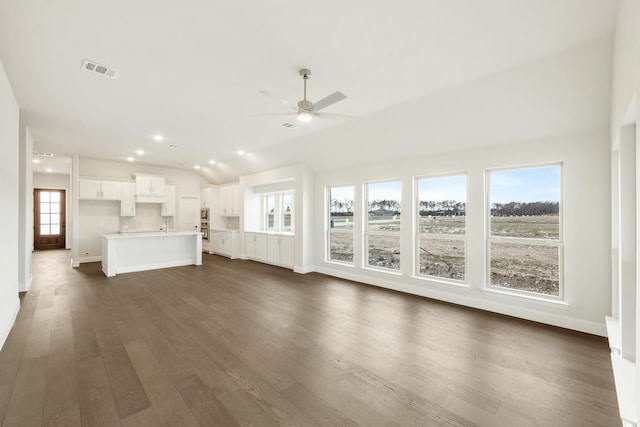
<point x="55" y="219"/>
<point x="55" y="229"/>
<point x="44" y="219"/>
<point x="55" y="197"/>
<point x="44" y="196"/>
<point x="44" y="207"/>
<point x="45" y="230"/>
<point x="55" y="208"/>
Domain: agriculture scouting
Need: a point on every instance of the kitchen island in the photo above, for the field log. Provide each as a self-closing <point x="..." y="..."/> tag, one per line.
<point x="128" y="252"/>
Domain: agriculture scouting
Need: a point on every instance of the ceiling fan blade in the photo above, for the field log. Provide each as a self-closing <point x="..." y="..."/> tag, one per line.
<point x="329" y="100"/>
<point x="333" y="116"/>
<point x="275" y="98"/>
<point x="274" y="114"/>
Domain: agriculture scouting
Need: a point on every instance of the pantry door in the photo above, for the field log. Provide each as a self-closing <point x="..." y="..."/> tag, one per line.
<point x="189" y="208"/>
<point x="48" y="219"/>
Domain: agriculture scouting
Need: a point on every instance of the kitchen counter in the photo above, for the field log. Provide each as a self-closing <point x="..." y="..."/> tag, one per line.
<point x="141" y="251"/>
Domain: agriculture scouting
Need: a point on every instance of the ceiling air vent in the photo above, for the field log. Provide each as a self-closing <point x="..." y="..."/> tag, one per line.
<point x="175" y="146"/>
<point x="40" y="153"/>
<point x="288" y="125"/>
<point x="99" y="68"/>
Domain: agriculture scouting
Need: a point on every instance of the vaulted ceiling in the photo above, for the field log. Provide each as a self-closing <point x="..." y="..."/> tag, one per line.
<point x="191" y="71"/>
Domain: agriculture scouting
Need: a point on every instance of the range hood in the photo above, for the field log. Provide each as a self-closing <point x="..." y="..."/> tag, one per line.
<point x="150" y="188"/>
<point x="150" y="199"/>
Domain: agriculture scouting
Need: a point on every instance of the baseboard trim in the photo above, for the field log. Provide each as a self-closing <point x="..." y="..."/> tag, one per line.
<point x="24" y="287"/>
<point x="7" y="319"/>
<point x="89" y="259"/>
<point x="467" y="297"/>
<point x="304" y="270"/>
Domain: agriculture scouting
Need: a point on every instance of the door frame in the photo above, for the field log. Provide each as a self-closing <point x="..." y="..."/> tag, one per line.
<point x="36" y="217"/>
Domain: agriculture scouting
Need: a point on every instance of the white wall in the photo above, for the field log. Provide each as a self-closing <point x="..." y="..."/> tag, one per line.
<point x="25" y="209"/>
<point x="624" y="326"/>
<point x="9" y="185"/>
<point x="57" y="182"/>
<point x="586" y="194"/>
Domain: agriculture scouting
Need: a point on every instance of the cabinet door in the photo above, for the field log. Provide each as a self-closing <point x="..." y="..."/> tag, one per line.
<point x="250" y="245"/>
<point x="128" y="203"/>
<point x="111" y="190"/>
<point x="169" y="206"/>
<point x="273" y="249"/>
<point x="287" y="251"/>
<point x="143" y="185"/>
<point x="89" y="189"/>
<point x="235" y="200"/>
<point x="225" y="246"/>
<point x="261" y="247"/>
<point x="224" y="195"/>
<point x="157" y="185"/>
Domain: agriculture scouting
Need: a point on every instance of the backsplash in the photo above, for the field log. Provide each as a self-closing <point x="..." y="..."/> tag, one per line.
<point x="148" y="217"/>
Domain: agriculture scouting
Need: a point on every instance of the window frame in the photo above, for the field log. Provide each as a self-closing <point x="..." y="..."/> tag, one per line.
<point x="366" y="233"/>
<point x="461" y="237"/>
<point x="328" y="231"/>
<point x="559" y="243"/>
<point x="278" y="212"/>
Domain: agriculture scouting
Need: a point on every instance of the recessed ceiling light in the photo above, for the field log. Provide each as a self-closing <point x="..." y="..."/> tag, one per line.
<point x="158" y="137"/>
<point x="240" y="152"/>
<point x="197" y="166"/>
<point x="140" y="152"/>
<point x="36" y="160"/>
<point x="131" y="159"/>
<point x="212" y="162"/>
<point x="48" y="170"/>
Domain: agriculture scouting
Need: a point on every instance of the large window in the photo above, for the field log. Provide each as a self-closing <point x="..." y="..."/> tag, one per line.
<point x="525" y="239"/>
<point x="278" y="212"/>
<point x="340" y="235"/>
<point x="441" y="234"/>
<point x="383" y="225"/>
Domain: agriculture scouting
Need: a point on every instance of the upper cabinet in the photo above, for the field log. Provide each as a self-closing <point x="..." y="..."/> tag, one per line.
<point x="128" y="204"/>
<point x="93" y="189"/>
<point x="169" y="206"/>
<point x="230" y="200"/>
<point x="149" y="188"/>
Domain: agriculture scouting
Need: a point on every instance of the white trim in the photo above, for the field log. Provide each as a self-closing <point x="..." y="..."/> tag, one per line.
<point x="154" y="266"/>
<point x="7" y="319"/>
<point x="24" y="287"/>
<point x="466" y="298"/>
<point x="304" y="270"/>
<point x="624" y="375"/>
<point x="82" y="260"/>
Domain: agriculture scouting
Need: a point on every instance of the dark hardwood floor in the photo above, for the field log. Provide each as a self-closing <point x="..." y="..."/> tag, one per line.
<point x="241" y="343"/>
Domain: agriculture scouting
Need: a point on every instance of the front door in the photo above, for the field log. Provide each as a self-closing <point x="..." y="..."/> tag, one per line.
<point x="49" y="219"/>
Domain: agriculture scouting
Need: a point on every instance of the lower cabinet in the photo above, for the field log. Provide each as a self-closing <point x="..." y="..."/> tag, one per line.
<point x="270" y="248"/>
<point x="226" y="243"/>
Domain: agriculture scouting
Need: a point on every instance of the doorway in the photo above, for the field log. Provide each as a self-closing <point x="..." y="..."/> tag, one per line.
<point x="49" y="225"/>
<point x="189" y="207"/>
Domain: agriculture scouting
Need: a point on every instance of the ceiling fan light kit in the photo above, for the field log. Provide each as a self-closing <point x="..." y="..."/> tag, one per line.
<point x="305" y="110"/>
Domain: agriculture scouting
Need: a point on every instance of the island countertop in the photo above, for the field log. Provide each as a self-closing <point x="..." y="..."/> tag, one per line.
<point x="140" y="251"/>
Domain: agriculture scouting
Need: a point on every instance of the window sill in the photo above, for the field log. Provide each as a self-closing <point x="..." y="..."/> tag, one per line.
<point x="341" y="263"/>
<point x="382" y="270"/>
<point x="441" y="281"/>
<point x="533" y="298"/>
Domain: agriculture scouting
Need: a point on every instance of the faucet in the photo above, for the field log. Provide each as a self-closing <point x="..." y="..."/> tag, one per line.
<point x="166" y="226"/>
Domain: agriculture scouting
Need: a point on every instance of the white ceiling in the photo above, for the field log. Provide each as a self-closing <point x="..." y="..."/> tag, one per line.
<point x="191" y="70"/>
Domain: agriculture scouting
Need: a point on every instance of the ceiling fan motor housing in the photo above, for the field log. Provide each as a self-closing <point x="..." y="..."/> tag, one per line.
<point x="305" y="105"/>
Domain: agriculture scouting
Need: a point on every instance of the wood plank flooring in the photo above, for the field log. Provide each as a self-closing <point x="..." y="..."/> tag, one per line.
<point x="238" y="343"/>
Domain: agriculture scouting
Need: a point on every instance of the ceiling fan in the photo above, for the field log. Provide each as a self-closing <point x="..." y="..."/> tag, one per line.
<point x="306" y="110"/>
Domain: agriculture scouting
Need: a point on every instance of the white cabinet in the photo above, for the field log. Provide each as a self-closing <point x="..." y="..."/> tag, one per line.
<point x="149" y="185"/>
<point x="255" y="246"/>
<point x="225" y="243"/>
<point x="205" y="197"/>
<point x="128" y="203"/>
<point x="230" y="200"/>
<point x="169" y="206"/>
<point x="280" y="250"/>
<point x="270" y="248"/>
<point x="93" y="189"/>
